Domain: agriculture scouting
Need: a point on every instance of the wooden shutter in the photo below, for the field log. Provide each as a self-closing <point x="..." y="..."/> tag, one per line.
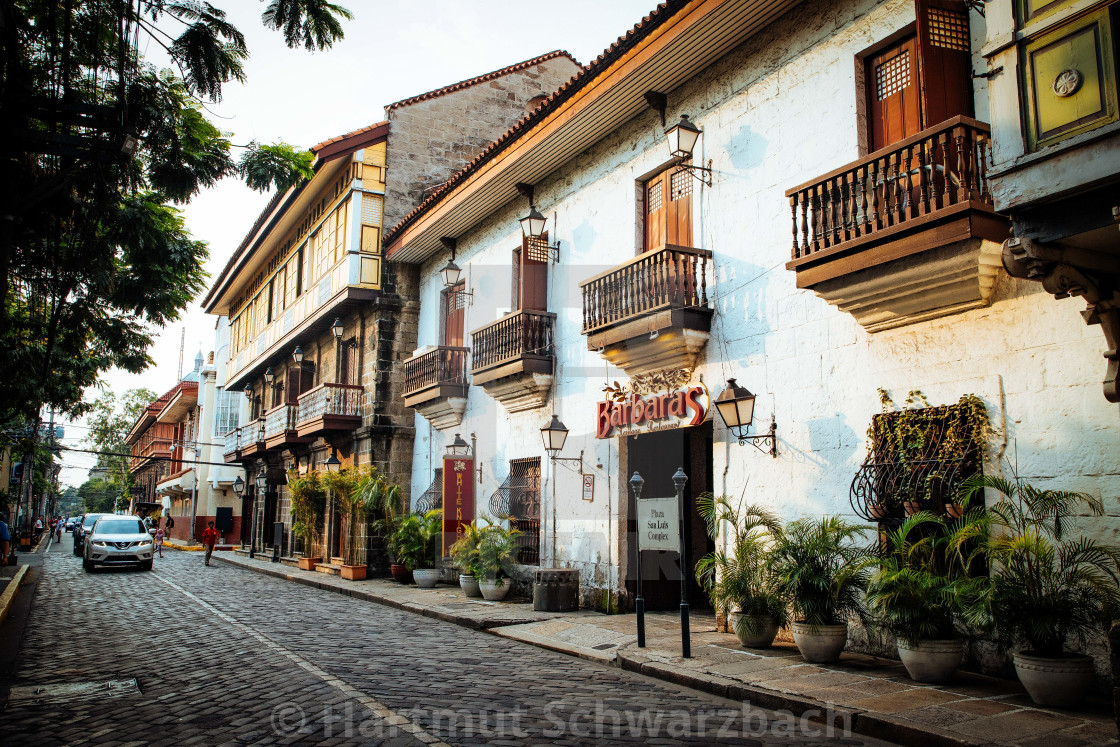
<point x="453" y="316"/>
<point x="534" y="273"/>
<point x="894" y="94"/>
<point x="515" y="290"/>
<point x="944" y="60"/>
<point x="347" y="361"/>
<point x="655" y="213"/>
<point x="669" y="209"/>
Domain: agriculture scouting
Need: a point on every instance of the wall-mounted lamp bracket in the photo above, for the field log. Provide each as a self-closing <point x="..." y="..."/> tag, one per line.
<point x="767" y="442"/>
<point x="571" y="459"/>
<point x="525" y="190"/>
<point x="702" y="173"/>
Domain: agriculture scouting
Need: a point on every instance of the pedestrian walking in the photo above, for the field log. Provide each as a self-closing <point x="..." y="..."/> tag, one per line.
<point x="5" y="539"/>
<point x="159" y="542"/>
<point x="38" y="528"/>
<point x="58" y="530"/>
<point x="209" y="538"/>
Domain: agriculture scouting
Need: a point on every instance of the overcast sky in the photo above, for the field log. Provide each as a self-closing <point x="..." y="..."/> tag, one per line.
<point x="393" y="49"/>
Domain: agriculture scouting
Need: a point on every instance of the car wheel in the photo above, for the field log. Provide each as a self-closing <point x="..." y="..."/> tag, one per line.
<point x="87" y="565"/>
<point x="77" y="550"/>
<point x="146" y="565"/>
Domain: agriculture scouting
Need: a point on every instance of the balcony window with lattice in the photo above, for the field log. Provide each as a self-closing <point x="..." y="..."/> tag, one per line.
<point x="918" y="459"/>
<point x="518" y="500"/>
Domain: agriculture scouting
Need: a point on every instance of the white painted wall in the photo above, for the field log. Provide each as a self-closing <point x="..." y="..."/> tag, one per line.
<point x="778" y="112"/>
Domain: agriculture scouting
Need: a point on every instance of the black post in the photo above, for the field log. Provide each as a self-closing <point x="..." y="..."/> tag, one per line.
<point x="636" y="483"/>
<point x="679" y="479"/>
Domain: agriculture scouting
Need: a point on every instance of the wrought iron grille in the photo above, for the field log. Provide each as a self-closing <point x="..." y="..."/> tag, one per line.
<point x="519" y="500"/>
<point x="916" y="464"/>
<point x="432" y="498"/>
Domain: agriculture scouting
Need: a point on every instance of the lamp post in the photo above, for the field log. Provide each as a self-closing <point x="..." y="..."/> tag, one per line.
<point x="636" y="484"/>
<point x="297" y="356"/>
<point x="679" y="479"/>
<point x="239" y="490"/>
<point x="261" y="481"/>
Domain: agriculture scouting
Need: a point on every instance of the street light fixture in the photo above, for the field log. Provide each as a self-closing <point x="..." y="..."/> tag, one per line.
<point x="555" y="435"/>
<point x="451" y="273"/>
<point x="532" y="225"/>
<point x="458" y="447"/>
<point x="269" y="376"/>
<point x="682" y="138"/>
<point x="297" y="355"/>
<point x="333" y="464"/>
<point x="262" y="481"/>
<point x="337" y="328"/>
<point x="736" y="407"/>
<point x="239" y="486"/>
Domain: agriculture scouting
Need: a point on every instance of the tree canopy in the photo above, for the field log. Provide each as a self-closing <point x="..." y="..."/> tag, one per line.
<point x="98" y="148"/>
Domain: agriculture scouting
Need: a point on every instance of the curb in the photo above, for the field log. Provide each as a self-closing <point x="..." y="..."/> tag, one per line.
<point x="877" y="725"/>
<point x="9" y="595"/>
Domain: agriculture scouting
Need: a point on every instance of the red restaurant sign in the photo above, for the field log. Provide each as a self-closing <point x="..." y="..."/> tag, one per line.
<point x="458" y="499"/>
<point x="653" y="412"/>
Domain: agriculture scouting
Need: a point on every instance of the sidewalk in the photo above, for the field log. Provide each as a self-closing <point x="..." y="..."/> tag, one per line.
<point x="874" y="694"/>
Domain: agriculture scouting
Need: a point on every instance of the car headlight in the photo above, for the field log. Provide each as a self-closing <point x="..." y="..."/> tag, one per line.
<point x="99" y="543"/>
<point x="144" y="543"/>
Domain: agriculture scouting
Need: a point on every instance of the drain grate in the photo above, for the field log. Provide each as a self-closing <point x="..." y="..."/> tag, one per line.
<point x="61" y="692"/>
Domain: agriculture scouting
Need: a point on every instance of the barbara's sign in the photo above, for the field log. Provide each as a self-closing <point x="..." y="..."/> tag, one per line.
<point x="652" y="412"/>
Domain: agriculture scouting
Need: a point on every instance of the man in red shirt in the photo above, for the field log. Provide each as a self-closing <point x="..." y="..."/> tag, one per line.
<point x="209" y="538"/>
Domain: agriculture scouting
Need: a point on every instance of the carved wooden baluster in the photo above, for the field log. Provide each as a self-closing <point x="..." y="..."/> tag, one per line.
<point x="704" y="281"/>
<point x="804" y="197"/>
<point x="962" y="188"/>
<point x="793" y="209"/>
<point x="896" y="187"/>
<point x="815" y="238"/>
<point x="982" y="168"/>
<point x="923" y="179"/>
<point x="843" y="183"/>
<point x="874" y="222"/>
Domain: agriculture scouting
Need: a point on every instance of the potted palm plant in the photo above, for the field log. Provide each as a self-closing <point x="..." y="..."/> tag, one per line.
<point x="1046" y="588"/>
<point x="823" y="574"/>
<point x="740" y="580"/>
<point x="922" y="591"/>
<point x="413" y="545"/>
<point x="308" y="504"/>
<point x="345" y="488"/>
<point x="465" y="553"/>
<point x="497" y="553"/>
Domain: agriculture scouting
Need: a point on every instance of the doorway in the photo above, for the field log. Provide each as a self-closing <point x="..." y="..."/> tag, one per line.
<point x="656" y="457"/>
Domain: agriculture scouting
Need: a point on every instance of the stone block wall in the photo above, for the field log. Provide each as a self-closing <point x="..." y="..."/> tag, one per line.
<point x="431" y="139"/>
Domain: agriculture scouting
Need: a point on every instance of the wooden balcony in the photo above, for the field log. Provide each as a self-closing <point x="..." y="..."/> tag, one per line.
<point x="512" y="359"/>
<point x="232" y="446"/>
<point x="252" y="439"/>
<point x="650" y="312"/>
<point x="280" y="427"/>
<point x="905" y="234"/>
<point x="435" y="383"/>
<point x="329" y="407"/>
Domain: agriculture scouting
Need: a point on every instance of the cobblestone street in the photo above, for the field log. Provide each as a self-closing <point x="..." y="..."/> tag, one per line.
<point x="221" y="655"/>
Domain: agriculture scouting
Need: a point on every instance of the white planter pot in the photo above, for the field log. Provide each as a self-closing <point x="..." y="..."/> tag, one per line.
<point x="1055" y="682"/>
<point x="931" y="661"/>
<point x="822" y="643"/>
<point x="753" y="631"/>
<point x="469" y="585"/>
<point x="426" y="578"/>
<point x="493" y="590"/>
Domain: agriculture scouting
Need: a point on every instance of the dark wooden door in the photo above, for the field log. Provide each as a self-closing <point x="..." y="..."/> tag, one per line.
<point x="347" y="362"/>
<point x="668" y="210"/>
<point x="944" y="60"/>
<point x="453" y="315"/>
<point x="299" y="381"/>
<point x="533" y="274"/>
<point x="894" y="94"/>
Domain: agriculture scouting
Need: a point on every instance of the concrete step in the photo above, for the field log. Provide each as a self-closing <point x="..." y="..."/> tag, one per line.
<point x="329" y="568"/>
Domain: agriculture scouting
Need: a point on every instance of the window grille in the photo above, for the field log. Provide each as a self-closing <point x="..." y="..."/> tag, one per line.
<point x="655" y="198"/>
<point x="892" y="75"/>
<point x="948" y="29"/>
<point x="519" y="500"/>
<point x="680" y="185"/>
<point x="915" y="464"/>
<point x="432" y="498"/>
<point x="226" y="411"/>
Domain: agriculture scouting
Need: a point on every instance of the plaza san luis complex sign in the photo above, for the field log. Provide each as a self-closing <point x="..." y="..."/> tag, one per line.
<point x="659" y="401"/>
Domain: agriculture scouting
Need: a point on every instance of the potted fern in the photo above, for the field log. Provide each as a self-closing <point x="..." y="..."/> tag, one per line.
<point x="740" y="580"/>
<point x="497" y="552"/>
<point x="1046" y="588"/>
<point x="823" y="574"/>
<point x="413" y="545"/>
<point x="465" y="553"/>
<point x="921" y="590"/>
<point x="308" y="504"/>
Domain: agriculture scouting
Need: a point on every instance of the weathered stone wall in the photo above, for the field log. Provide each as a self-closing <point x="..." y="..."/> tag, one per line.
<point x="431" y="139"/>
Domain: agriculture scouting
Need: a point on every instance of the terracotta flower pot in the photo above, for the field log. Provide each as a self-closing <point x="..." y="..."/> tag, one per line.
<point x="821" y="643"/>
<point x="954" y="510"/>
<point x="911" y="507"/>
<point x="878" y="511"/>
<point x="308" y="564"/>
<point x="753" y="631"/>
<point x="931" y="661"/>
<point x="426" y="578"/>
<point x="353" y="572"/>
<point x="1055" y="681"/>
<point x="400" y="573"/>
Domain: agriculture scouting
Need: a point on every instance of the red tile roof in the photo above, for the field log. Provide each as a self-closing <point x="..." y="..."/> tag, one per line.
<point x="482" y="79"/>
<point x="372" y="130"/>
<point x="598" y="66"/>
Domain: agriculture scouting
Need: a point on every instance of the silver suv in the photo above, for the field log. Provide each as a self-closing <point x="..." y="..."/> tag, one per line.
<point x="118" y="540"/>
<point x="82" y="530"/>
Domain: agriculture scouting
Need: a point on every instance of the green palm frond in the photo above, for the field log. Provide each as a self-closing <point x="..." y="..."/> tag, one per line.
<point x="314" y="24"/>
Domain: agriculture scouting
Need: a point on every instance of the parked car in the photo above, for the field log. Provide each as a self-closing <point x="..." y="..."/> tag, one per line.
<point x="83" y="528"/>
<point x="71" y="523"/>
<point x="118" y="540"/>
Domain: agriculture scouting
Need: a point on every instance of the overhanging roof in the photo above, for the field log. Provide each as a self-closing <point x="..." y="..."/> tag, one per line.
<point x="674" y="43"/>
<point x="183" y="399"/>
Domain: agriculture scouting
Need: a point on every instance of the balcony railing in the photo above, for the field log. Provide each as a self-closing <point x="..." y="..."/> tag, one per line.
<point x="524" y="333"/>
<point x="279" y="420"/>
<point x="232" y="441"/>
<point x="330" y="399"/>
<point x="938" y="170"/>
<point x="444" y="365"/>
<point x="673" y="277"/>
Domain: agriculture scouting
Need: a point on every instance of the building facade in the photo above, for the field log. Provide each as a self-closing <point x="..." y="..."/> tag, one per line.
<point x="319" y="321"/>
<point x="833" y="244"/>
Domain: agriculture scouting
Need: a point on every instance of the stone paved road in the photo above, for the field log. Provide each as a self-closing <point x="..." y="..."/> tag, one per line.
<point x="222" y="655"/>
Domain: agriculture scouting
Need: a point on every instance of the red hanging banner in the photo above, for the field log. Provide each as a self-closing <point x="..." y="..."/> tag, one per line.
<point x="458" y="499"/>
